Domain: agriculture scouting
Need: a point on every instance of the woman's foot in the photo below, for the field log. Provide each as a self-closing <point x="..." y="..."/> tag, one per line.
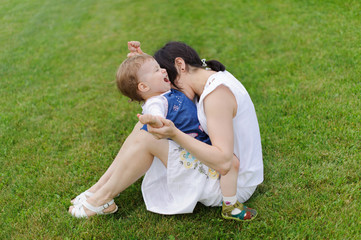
<point x="81" y="197"/>
<point x="86" y="209"/>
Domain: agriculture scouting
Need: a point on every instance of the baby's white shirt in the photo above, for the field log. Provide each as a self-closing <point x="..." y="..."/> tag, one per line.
<point x="157" y="106"/>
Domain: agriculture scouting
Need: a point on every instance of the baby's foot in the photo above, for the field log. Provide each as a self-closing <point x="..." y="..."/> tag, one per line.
<point x="238" y="212"/>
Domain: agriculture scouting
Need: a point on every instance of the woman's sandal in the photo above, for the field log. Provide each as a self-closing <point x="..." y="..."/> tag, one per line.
<point x="79" y="212"/>
<point x="246" y="214"/>
<point x="81" y="197"/>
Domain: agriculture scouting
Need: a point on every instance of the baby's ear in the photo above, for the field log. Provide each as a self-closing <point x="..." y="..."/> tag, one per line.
<point x="143" y="87"/>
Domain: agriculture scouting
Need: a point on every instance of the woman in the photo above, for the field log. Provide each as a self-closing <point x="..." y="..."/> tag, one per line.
<point x="226" y="113"/>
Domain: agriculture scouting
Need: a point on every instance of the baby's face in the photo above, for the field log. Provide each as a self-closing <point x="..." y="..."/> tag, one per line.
<point x="154" y="77"/>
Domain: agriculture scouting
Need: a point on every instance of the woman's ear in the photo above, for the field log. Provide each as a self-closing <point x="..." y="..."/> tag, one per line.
<point x="180" y="64"/>
<point x="143" y="87"/>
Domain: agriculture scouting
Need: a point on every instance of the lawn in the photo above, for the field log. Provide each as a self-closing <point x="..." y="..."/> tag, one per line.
<point x="62" y="120"/>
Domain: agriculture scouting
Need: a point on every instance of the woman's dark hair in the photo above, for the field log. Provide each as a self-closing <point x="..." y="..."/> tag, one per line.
<point x="167" y="54"/>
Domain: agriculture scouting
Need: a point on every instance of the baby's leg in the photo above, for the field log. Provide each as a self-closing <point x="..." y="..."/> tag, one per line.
<point x="231" y="208"/>
<point x="229" y="181"/>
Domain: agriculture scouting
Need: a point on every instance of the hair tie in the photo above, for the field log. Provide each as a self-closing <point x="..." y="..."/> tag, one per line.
<point x="204" y="62"/>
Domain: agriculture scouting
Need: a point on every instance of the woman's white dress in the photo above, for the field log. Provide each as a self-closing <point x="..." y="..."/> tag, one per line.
<point x="186" y="181"/>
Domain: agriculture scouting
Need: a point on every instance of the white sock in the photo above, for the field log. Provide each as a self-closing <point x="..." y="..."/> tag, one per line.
<point x="231" y="201"/>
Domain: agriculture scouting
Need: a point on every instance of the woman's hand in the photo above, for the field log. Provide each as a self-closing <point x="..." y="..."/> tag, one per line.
<point x="134" y="48"/>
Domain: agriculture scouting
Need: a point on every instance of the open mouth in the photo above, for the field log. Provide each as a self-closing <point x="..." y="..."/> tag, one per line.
<point x="166" y="80"/>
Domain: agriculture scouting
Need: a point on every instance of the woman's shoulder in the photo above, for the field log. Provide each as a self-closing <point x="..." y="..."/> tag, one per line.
<point x="224" y="82"/>
<point x="220" y="78"/>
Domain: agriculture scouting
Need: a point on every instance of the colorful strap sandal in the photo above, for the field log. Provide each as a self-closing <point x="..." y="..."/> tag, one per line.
<point x="81" y="197"/>
<point x="79" y="212"/>
<point x="246" y="214"/>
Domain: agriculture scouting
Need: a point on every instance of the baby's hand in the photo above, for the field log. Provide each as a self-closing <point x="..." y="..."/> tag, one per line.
<point x="133" y="45"/>
<point x="158" y="126"/>
<point x="134" y="48"/>
<point x="151" y="120"/>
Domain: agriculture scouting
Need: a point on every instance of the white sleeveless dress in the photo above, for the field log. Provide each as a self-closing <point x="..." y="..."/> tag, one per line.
<point x="186" y="181"/>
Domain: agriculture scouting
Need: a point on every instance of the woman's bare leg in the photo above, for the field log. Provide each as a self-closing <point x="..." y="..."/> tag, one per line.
<point x="133" y="160"/>
<point x="105" y="177"/>
<point x="127" y="144"/>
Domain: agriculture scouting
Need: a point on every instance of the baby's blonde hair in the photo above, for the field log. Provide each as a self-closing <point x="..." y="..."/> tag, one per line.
<point x="127" y="78"/>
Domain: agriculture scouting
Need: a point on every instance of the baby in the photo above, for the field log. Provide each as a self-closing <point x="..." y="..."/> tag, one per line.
<point x="141" y="79"/>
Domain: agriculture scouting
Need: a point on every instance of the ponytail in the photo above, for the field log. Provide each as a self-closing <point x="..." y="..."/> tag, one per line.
<point x="215" y="65"/>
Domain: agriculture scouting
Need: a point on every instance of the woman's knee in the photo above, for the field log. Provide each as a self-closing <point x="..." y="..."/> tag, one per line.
<point x="138" y="138"/>
<point x="146" y="144"/>
<point x="146" y="141"/>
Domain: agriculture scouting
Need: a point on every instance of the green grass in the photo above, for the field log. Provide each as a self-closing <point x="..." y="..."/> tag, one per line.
<point x="62" y="120"/>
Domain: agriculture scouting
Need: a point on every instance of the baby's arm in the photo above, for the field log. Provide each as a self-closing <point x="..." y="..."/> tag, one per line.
<point x="154" y="110"/>
<point x="151" y="120"/>
<point x="134" y="48"/>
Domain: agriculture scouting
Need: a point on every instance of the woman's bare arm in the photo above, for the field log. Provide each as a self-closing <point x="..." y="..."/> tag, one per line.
<point x="219" y="116"/>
